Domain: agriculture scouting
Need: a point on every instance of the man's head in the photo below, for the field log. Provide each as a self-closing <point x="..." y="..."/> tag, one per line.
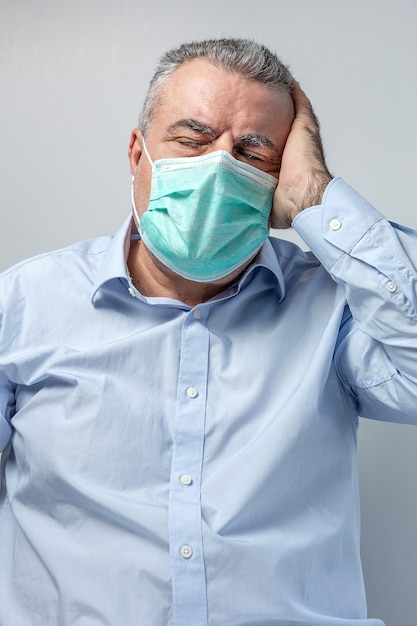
<point x="230" y="96"/>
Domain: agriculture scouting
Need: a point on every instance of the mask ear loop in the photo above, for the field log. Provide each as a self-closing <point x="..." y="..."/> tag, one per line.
<point x="135" y="211"/>
<point x="146" y="151"/>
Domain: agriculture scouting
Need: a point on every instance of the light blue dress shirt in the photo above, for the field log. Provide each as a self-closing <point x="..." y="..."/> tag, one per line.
<point x="192" y="467"/>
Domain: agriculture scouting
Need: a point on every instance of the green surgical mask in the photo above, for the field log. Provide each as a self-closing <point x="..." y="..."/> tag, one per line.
<point x="207" y="215"/>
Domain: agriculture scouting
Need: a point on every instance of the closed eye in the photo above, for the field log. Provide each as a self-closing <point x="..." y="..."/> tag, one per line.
<point x="250" y="156"/>
<point x="192" y="143"/>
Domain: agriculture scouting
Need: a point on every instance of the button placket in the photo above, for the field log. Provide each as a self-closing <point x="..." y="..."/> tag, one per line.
<point x="186" y="542"/>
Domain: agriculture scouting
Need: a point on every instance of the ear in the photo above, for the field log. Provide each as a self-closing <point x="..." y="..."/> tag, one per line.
<point x="135" y="149"/>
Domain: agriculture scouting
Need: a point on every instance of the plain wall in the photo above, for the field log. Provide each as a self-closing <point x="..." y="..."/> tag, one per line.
<point x="72" y="79"/>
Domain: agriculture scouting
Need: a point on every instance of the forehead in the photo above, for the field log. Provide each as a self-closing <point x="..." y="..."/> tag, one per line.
<point x="222" y="99"/>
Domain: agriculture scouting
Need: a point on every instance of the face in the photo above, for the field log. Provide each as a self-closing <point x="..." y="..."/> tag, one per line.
<point x="203" y="109"/>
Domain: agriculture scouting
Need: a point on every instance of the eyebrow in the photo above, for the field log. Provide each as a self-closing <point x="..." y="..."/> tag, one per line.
<point x="259" y="141"/>
<point x="191" y="124"/>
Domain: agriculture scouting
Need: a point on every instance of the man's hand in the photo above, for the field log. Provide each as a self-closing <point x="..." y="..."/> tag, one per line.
<point x="304" y="175"/>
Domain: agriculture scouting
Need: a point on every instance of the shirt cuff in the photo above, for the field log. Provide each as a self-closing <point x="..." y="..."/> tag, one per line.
<point x="335" y="227"/>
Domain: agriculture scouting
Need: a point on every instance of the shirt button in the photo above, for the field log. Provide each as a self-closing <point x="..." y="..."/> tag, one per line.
<point x="391" y="287"/>
<point x="186" y="479"/>
<point x="186" y="552"/>
<point x="197" y="314"/>
<point x="132" y="292"/>
<point x="192" y="392"/>
<point x="335" y="224"/>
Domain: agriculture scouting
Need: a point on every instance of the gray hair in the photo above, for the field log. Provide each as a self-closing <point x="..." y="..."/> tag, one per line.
<point x="244" y="56"/>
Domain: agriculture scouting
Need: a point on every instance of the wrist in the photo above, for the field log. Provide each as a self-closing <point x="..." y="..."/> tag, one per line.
<point x="292" y="199"/>
<point x="317" y="183"/>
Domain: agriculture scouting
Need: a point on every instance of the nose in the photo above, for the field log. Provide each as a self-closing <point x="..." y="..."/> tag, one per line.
<point x="224" y="142"/>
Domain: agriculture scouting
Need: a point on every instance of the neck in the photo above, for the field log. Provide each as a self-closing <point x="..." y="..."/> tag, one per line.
<point x="152" y="278"/>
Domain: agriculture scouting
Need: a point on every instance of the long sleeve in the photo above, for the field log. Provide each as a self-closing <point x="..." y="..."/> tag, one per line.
<point x="376" y="262"/>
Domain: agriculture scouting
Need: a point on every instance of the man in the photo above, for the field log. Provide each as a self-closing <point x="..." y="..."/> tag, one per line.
<point x="182" y="399"/>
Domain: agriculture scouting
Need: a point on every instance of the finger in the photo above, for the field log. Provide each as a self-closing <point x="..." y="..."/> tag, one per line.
<point x="307" y="120"/>
<point x="303" y="106"/>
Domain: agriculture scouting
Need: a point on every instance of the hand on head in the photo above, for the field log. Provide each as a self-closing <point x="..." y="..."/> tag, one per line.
<point x="303" y="175"/>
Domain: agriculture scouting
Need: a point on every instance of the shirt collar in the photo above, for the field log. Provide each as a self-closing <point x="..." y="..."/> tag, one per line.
<point x="114" y="263"/>
<point x="267" y="258"/>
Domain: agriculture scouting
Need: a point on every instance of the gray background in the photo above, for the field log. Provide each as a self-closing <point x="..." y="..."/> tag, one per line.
<point x="72" y="78"/>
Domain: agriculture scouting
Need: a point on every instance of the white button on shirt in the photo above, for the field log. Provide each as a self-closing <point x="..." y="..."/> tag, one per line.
<point x="335" y="224"/>
<point x="391" y="287"/>
<point x="186" y="552"/>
